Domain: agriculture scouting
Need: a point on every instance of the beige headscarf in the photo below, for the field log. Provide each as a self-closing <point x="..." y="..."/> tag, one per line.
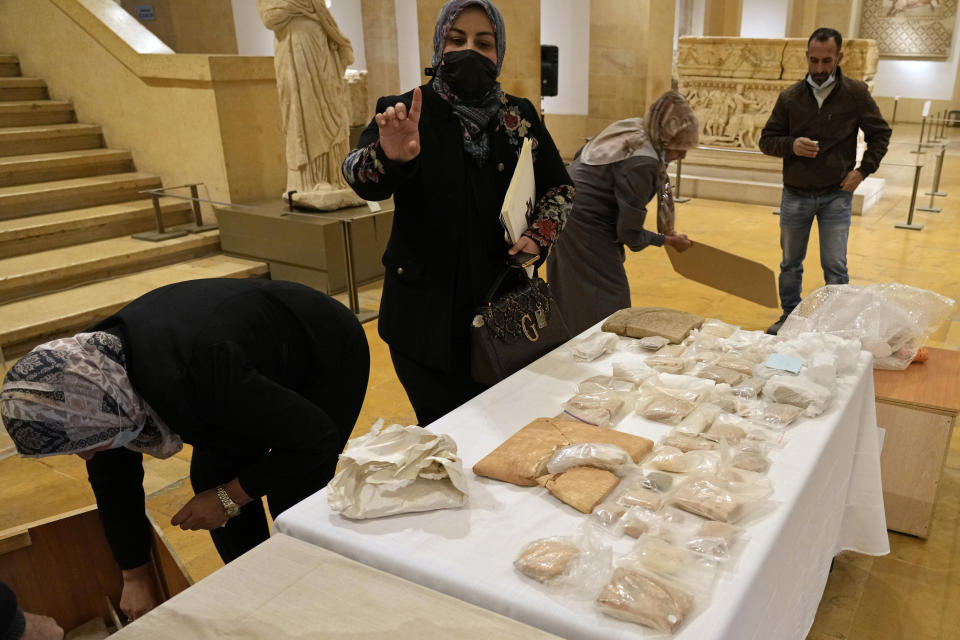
<point x="73" y="394"/>
<point x="670" y="123"/>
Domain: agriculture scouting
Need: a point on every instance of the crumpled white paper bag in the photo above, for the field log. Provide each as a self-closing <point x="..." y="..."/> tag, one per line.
<point x="397" y="469"/>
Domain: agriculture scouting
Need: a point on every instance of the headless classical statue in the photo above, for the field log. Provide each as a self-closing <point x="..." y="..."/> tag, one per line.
<point x="310" y="59"/>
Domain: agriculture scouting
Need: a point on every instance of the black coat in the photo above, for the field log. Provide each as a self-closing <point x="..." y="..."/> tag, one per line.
<point x="446" y="246"/>
<point x="11" y="617"/>
<point x="835" y="125"/>
<point x="245" y="368"/>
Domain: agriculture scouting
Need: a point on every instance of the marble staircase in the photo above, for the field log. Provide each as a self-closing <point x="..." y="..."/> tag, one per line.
<point x="68" y="205"/>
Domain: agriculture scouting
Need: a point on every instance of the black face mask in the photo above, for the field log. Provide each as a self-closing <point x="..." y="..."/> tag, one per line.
<point x="469" y="74"/>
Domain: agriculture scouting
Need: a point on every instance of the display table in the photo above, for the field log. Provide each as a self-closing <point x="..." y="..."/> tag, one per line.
<point x="827" y="491"/>
<point x="285" y="588"/>
<point x="918" y="408"/>
<point x="331" y="251"/>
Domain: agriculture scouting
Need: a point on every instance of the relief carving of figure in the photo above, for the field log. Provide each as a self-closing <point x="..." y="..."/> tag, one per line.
<point x="311" y="57"/>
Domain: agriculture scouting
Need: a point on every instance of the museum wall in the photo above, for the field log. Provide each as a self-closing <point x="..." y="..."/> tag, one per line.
<point x="763" y="19"/>
<point x="188" y="26"/>
<point x="182" y="116"/>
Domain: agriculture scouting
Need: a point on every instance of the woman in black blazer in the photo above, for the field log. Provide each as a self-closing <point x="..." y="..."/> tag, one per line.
<point x="265" y="379"/>
<point x="446" y="152"/>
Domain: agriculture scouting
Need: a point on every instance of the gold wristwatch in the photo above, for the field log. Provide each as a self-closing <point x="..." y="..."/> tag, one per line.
<point x="230" y="507"/>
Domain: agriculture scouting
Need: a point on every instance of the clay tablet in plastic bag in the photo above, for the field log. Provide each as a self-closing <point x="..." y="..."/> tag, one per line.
<point x="523" y="457"/>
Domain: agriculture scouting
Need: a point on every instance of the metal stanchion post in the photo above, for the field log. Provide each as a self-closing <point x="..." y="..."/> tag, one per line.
<point x="676" y="196"/>
<point x="896" y="100"/>
<point x="923" y="123"/>
<point x="930" y="131"/>
<point x="197" y="226"/>
<point x="943" y="124"/>
<point x="913" y="201"/>
<point x="936" y="176"/>
<point x="161" y="233"/>
<point x="352" y="294"/>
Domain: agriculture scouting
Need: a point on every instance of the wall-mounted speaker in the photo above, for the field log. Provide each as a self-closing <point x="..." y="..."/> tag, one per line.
<point x="549" y="59"/>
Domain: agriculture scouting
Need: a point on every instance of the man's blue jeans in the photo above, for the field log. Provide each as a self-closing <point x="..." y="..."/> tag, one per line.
<point x="797" y="211"/>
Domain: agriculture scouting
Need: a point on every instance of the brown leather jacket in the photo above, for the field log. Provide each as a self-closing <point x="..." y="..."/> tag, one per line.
<point x="848" y="108"/>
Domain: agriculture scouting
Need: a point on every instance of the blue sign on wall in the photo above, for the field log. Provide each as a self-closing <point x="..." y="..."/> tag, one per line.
<point x="145" y="12"/>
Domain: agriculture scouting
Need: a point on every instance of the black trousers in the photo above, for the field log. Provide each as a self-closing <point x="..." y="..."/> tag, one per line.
<point x="210" y="468"/>
<point x="432" y="392"/>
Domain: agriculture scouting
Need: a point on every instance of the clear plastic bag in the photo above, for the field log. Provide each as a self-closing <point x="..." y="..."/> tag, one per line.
<point x="668" y="364"/>
<point x="686" y="442"/>
<point x="700" y="419"/>
<point x="741" y="363"/>
<point x="635" y="372"/>
<point x="775" y="415"/>
<point x="721" y="375"/>
<point x="713" y="498"/>
<point x="891" y="320"/>
<point x="593" y="454"/>
<point x="718" y="328"/>
<point x="690" y="387"/>
<point x="664" y="408"/>
<point x="576" y="567"/>
<point x="749" y="485"/>
<point x="646" y="599"/>
<point x="714" y="540"/>
<point x="640" y="491"/>
<point x="607" y="514"/>
<point x="727" y="427"/>
<point x="798" y="391"/>
<point x="748" y="388"/>
<point x="594" y="346"/>
<point x="547" y="558"/>
<point x="601" y="408"/>
<point x="606" y="383"/>
<point x="652" y="343"/>
<point x="672" y="459"/>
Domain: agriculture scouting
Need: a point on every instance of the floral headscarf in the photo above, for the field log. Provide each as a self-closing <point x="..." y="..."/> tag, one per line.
<point x="73" y="394"/>
<point x="448" y="15"/>
<point x="474" y="117"/>
<point x="670" y="123"/>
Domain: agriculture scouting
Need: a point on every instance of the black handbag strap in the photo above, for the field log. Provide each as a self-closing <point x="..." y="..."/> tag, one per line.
<point x="499" y="281"/>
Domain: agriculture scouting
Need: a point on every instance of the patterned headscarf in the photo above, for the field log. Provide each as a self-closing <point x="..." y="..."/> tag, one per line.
<point x="473" y="117"/>
<point x="73" y="394"/>
<point x="670" y="123"/>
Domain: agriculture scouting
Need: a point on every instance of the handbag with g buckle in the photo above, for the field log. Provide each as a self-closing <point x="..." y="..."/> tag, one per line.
<point x="511" y="331"/>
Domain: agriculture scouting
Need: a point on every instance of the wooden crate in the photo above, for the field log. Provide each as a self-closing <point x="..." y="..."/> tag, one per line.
<point x="62" y="567"/>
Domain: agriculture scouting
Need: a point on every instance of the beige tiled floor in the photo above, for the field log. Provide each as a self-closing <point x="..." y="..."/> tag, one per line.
<point x="912" y="594"/>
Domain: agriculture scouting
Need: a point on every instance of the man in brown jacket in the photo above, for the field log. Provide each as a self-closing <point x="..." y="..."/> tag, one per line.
<point x="814" y="128"/>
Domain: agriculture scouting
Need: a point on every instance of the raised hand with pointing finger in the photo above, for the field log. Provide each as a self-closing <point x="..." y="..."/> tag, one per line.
<point x="400" y="129"/>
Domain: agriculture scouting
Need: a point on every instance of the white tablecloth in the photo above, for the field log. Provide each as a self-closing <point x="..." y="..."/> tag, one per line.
<point x="827" y="488"/>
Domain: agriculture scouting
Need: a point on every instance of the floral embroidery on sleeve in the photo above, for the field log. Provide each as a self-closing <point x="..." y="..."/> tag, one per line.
<point x="512" y="122"/>
<point x="363" y="165"/>
<point x="551" y="210"/>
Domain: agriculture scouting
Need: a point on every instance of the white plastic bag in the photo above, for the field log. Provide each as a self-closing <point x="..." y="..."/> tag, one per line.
<point x="397" y="469"/>
<point x="891" y="320"/>
<point x="594" y="346"/>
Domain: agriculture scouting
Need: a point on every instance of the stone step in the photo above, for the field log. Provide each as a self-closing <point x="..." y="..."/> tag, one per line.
<point x="764" y="193"/>
<point x="9" y="65"/>
<point x="48" y="138"/>
<point x="21" y="88"/>
<point x="46" y="197"/>
<point x="20" y="236"/>
<point x="45" y="271"/>
<point x="25" y="113"/>
<point x="63" y="165"/>
<point x="27" y="323"/>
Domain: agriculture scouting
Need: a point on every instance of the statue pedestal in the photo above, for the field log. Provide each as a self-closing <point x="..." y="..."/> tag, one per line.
<point x="308" y="248"/>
